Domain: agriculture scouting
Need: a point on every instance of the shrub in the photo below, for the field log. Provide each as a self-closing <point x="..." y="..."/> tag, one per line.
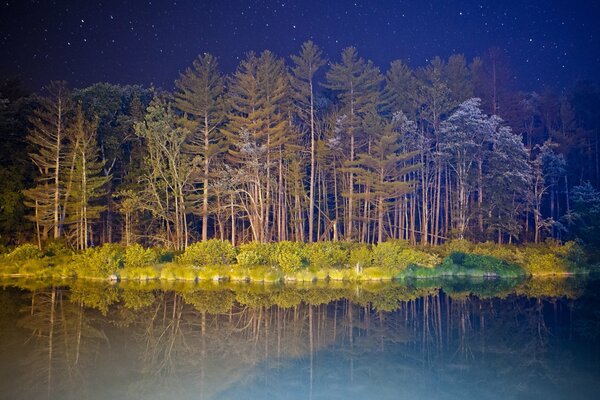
<point x="360" y="257"/>
<point x="33" y="266"/>
<point x="100" y="262"/>
<point x="455" y="245"/>
<point x="55" y="248"/>
<point x="255" y="254"/>
<point x="459" y="263"/>
<point x="24" y="252"/>
<point x="322" y="255"/>
<point x="136" y="256"/>
<point x="211" y="252"/>
<point x="397" y="255"/>
<point x="291" y="256"/>
<point x="540" y="264"/>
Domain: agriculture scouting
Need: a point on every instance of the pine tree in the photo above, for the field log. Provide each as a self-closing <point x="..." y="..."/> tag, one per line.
<point x="357" y="84"/>
<point x="86" y="185"/>
<point x="307" y="63"/>
<point x="259" y="127"/>
<point x="200" y="96"/>
<point x="383" y="169"/>
<point x="48" y="137"/>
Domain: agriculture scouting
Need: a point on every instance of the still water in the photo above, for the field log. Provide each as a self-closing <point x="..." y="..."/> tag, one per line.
<point x="537" y="339"/>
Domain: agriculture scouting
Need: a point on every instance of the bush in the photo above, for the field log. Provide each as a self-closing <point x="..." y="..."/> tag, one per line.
<point x="55" y="248"/>
<point x="459" y="263"/>
<point x="211" y="252"/>
<point x="541" y="264"/>
<point x="291" y="256"/>
<point x="100" y="262"/>
<point x="397" y="255"/>
<point x="136" y="256"/>
<point x="24" y="252"/>
<point x="360" y="257"/>
<point x="255" y="254"/>
<point x="455" y="245"/>
<point x="323" y="255"/>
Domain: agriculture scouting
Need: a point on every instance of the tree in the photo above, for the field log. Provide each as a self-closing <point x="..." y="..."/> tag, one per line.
<point x="48" y="137"/>
<point x="357" y="84"/>
<point x="507" y="180"/>
<point x="307" y="63"/>
<point x="463" y="136"/>
<point x="86" y="184"/>
<point x="167" y="171"/>
<point x="259" y="119"/>
<point x="586" y="210"/>
<point x="200" y="95"/>
<point x="382" y="169"/>
<point x="16" y="170"/>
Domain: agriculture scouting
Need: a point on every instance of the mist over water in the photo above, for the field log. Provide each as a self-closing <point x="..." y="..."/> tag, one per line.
<point x="537" y="339"/>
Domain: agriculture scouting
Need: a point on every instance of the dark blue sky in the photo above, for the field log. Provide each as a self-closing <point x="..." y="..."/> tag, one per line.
<point x="548" y="42"/>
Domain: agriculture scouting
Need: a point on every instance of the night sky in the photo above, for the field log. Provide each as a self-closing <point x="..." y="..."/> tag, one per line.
<point x="548" y="42"/>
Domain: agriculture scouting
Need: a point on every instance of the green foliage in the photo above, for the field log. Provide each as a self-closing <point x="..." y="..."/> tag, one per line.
<point x="323" y="255"/>
<point x="397" y="255"/>
<point x="256" y="254"/>
<point x="100" y="262"/>
<point x="454" y="245"/>
<point x="459" y="263"/>
<point x="55" y="248"/>
<point x="211" y="252"/>
<point x="137" y="256"/>
<point x="24" y="252"/>
<point x="541" y="264"/>
<point x="291" y="256"/>
<point x="360" y="256"/>
<point x="419" y="272"/>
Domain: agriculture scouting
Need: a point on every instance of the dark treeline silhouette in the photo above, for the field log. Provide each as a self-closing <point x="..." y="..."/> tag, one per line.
<point x="272" y="153"/>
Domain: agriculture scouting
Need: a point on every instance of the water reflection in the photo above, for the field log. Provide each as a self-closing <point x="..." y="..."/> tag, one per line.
<point x="482" y="339"/>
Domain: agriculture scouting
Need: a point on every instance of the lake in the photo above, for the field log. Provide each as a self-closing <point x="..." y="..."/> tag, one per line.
<point x="452" y="339"/>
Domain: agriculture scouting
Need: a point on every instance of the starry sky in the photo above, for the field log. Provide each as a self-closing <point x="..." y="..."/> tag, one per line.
<point x="548" y="42"/>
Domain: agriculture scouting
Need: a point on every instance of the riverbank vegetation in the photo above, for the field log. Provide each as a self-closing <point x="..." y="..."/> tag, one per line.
<point x="216" y="260"/>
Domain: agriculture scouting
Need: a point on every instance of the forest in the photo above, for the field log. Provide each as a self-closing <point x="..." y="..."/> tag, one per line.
<point x="303" y="149"/>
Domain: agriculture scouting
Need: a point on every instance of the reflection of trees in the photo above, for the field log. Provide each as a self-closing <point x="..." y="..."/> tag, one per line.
<point x="210" y="339"/>
<point x="64" y="342"/>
